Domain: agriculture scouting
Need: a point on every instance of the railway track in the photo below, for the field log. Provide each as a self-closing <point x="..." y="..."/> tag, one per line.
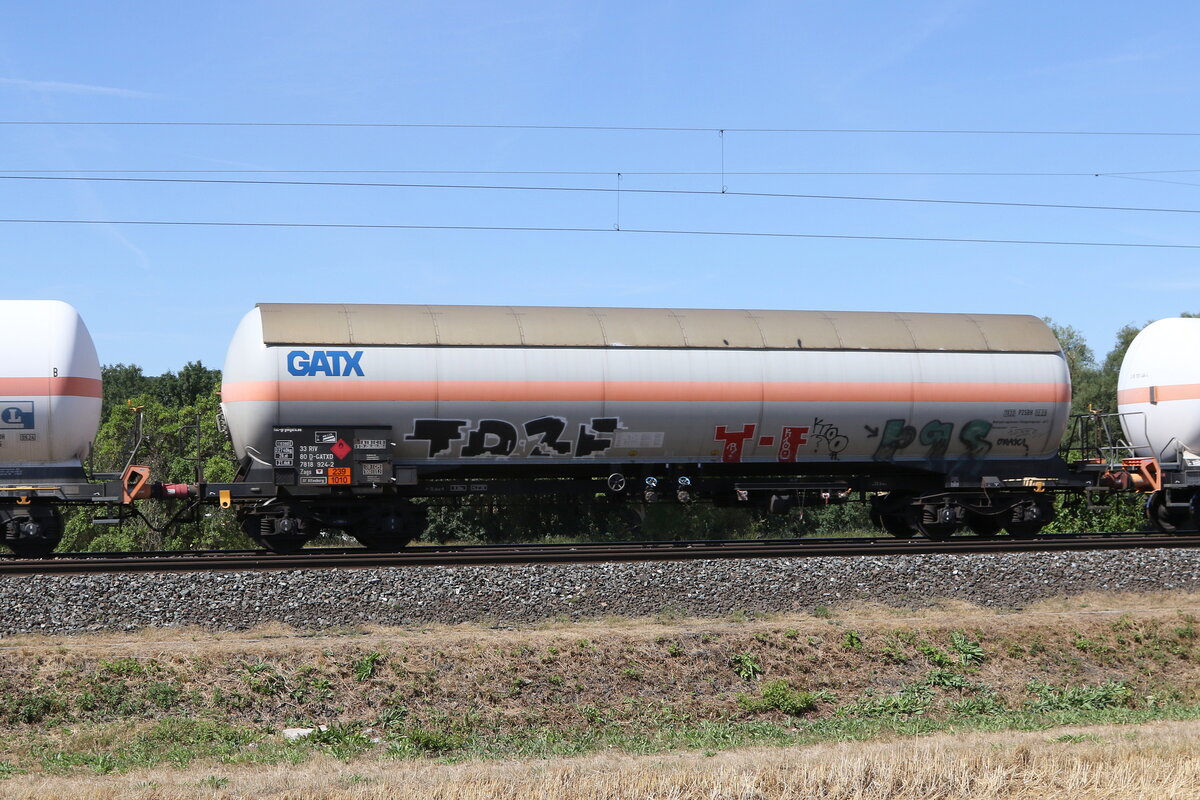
<point x="485" y="555"/>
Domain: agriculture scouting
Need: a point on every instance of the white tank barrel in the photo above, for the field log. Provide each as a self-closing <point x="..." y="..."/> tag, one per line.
<point x="1158" y="390"/>
<point x="462" y="385"/>
<point x="50" y="391"/>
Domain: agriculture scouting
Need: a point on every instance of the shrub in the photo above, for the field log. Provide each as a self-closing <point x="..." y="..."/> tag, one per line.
<point x="780" y="696"/>
<point x="1110" y="694"/>
<point x="364" y="668"/>
<point x="969" y="651"/>
<point x="746" y="667"/>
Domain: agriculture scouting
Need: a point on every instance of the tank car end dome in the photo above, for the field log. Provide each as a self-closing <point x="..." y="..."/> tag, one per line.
<point x="50" y="392"/>
<point x="1158" y="390"/>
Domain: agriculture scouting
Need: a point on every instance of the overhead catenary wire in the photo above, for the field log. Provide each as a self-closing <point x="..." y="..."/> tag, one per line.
<point x="700" y="173"/>
<point x="630" y="128"/>
<point x="600" y="189"/>
<point x="552" y="229"/>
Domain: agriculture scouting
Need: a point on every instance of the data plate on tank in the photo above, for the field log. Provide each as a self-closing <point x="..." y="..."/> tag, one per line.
<point x="305" y="455"/>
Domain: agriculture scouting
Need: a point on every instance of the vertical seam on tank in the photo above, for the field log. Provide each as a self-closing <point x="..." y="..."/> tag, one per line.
<point x="596" y="315"/>
<point x="836" y="331"/>
<point x="983" y="334"/>
<point x="349" y="324"/>
<point x="682" y="329"/>
<point x="761" y="333"/>
<point x="917" y="367"/>
<point x="762" y="375"/>
<point x="436" y="352"/>
<point x="604" y="364"/>
<point x="520" y="328"/>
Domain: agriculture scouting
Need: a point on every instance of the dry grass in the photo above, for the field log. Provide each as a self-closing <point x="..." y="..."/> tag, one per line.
<point x="1158" y="761"/>
<point x="621" y="679"/>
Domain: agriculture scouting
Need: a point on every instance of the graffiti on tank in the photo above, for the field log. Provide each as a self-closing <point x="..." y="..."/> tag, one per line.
<point x="898" y="435"/>
<point x="733" y="442"/>
<point x="1013" y="441"/>
<point x="590" y="441"/>
<point x="546" y="434"/>
<point x="972" y="436"/>
<point x="791" y="441"/>
<point x="440" y="433"/>
<point x="498" y="438"/>
<point x="937" y="435"/>
<point x="493" y="437"/>
<point x="835" y="441"/>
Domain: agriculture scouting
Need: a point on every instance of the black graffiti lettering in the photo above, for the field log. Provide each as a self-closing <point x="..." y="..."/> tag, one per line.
<point x="550" y="431"/>
<point x="936" y="436"/>
<point x="588" y="442"/>
<point x="438" y="432"/>
<point x="823" y="431"/>
<point x="972" y="436"/>
<point x="491" y="436"/>
<point x="896" y="436"/>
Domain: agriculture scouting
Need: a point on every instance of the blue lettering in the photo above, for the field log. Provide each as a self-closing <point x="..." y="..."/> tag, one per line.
<point x="352" y="363"/>
<point x="324" y="362"/>
<point x="298" y="362"/>
<point x="320" y="363"/>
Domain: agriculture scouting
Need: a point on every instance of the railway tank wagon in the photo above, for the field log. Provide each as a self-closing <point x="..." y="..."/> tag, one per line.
<point x="50" y="397"/>
<point x="1158" y="400"/>
<point x="340" y="413"/>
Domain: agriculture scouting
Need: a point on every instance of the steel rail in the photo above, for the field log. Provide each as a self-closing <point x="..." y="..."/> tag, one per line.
<point x="522" y="554"/>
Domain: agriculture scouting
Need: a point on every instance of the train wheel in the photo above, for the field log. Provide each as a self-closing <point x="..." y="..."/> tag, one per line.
<point x="938" y="522"/>
<point x="1027" y="517"/>
<point x="391" y="529"/>
<point x="32" y="533"/>
<point x="1166" y="519"/>
<point x="279" y="534"/>
<point x="898" y="526"/>
<point x="891" y="513"/>
<point x="983" y="525"/>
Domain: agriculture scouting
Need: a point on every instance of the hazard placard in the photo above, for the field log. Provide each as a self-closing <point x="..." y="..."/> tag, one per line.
<point x="339" y="475"/>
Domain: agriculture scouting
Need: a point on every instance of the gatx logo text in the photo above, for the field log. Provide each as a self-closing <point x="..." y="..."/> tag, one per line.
<point x="333" y="363"/>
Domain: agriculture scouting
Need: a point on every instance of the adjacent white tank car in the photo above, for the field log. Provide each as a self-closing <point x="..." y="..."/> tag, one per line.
<point x="1158" y="391"/>
<point x="49" y="414"/>
<point x="1158" y="398"/>
<point x="49" y="392"/>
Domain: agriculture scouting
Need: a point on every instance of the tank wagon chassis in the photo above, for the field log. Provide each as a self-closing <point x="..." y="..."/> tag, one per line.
<point x="31" y="521"/>
<point x="292" y="506"/>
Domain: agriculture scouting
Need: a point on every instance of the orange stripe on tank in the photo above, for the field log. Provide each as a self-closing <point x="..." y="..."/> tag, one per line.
<point x="50" y="387"/>
<point x="1163" y="394"/>
<point x="642" y="391"/>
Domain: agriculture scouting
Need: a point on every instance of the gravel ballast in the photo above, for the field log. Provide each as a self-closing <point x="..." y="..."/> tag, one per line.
<point x="514" y="595"/>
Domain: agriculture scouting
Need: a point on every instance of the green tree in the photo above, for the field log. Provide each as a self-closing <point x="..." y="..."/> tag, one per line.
<point x="122" y="383"/>
<point x="177" y="412"/>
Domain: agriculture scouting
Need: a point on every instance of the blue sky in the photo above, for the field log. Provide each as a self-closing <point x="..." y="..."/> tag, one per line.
<point x="161" y="296"/>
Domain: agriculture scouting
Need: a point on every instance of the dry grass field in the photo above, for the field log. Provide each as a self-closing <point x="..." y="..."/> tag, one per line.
<point x="1092" y="697"/>
<point x="1134" y="762"/>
